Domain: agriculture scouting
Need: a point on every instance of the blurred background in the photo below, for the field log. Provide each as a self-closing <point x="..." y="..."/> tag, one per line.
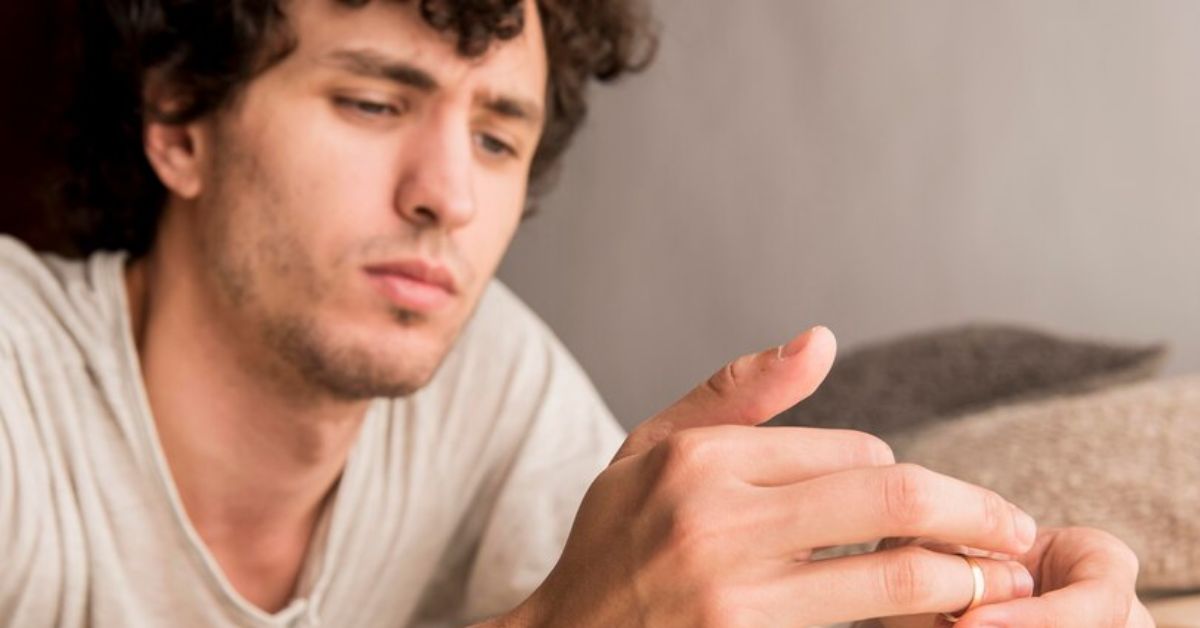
<point x="881" y="168"/>
<point x="878" y="167"/>
<point x="35" y="46"/>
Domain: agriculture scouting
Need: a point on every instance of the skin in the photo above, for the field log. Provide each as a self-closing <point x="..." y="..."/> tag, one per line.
<point x="715" y="523"/>
<point x="261" y="338"/>
<point x="262" y="341"/>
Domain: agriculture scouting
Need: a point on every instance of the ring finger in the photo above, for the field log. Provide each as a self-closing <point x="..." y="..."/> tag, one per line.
<point x="893" y="583"/>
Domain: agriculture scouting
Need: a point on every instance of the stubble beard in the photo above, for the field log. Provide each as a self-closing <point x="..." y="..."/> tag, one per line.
<point x="343" y="373"/>
<point x="297" y="354"/>
<point x="302" y="353"/>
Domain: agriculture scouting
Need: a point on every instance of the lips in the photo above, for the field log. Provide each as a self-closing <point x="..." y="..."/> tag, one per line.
<point x="414" y="285"/>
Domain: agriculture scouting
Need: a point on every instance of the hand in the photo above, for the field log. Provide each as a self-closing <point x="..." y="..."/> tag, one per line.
<point x="1084" y="578"/>
<point x="704" y="520"/>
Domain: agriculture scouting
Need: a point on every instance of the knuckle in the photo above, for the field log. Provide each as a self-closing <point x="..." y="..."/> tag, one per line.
<point x="687" y="453"/>
<point x="1120" y="552"/>
<point x="997" y="514"/>
<point x="725" y="381"/>
<point x="907" y="582"/>
<point x="689" y="530"/>
<point x="728" y="383"/>
<point x="1111" y="546"/>
<point x="906" y="498"/>
<point x="1012" y="575"/>
<point x="1127" y="558"/>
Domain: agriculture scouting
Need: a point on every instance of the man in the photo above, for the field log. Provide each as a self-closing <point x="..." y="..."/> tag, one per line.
<point x="297" y="397"/>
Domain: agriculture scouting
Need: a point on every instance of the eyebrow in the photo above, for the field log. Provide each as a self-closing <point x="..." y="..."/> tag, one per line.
<point x="374" y="64"/>
<point x="515" y="109"/>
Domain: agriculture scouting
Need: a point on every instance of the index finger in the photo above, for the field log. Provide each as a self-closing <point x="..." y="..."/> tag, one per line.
<point x="774" y="456"/>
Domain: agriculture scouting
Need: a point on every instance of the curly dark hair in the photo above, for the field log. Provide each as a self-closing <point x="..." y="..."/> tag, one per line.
<point x="205" y="50"/>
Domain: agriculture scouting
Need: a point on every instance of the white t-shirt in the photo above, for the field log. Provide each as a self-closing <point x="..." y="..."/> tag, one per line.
<point x="454" y="505"/>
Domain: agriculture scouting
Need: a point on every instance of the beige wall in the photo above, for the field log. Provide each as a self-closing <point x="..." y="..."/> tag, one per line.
<point x="880" y="167"/>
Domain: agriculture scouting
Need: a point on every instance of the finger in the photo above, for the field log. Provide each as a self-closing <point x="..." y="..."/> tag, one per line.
<point x="1087" y="578"/>
<point x="902" y="500"/>
<point x="750" y="390"/>
<point x="940" y="546"/>
<point x="900" y="582"/>
<point x="779" y="456"/>
<point x="1063" y="556"/>
<point x="1081" y="605"/>
<point x="1140" y="617"/>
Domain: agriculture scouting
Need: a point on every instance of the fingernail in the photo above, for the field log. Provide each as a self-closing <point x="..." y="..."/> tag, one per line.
<point x="1022" y="581"/>
<point x="1026" y="528"/>
<point x="797" y="344"/>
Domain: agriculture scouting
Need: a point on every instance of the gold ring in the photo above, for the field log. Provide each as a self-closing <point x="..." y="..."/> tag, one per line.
<point x="979" y="588"/>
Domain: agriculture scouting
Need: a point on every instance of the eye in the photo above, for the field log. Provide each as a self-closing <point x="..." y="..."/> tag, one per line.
<point x="368" y="108"/>
<point x="491" y="144"/>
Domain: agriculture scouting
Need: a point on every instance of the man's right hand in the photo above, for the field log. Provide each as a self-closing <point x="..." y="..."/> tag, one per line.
<point x="703" y="519"/>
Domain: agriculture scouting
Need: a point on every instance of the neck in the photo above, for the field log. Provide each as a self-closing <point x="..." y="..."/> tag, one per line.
<point x="253" y="464"/>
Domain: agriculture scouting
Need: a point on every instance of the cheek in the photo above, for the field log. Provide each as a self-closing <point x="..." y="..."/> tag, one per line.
<point x="486" y="239"/>
<point x="331" y="190"/>
<point x="280" y="242"/>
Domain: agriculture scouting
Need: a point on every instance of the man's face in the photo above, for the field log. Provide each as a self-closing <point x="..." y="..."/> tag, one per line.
<point x="361" y="192"/>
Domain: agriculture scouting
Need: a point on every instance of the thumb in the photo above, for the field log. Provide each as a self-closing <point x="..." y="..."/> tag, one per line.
<point x="750" y="390"/>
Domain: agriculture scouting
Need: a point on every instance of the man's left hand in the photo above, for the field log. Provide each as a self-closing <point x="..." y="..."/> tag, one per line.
<point x="1082" y="577"/>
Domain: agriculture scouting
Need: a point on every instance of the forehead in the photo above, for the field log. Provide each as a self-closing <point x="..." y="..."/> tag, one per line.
<point x="396" y="29"/>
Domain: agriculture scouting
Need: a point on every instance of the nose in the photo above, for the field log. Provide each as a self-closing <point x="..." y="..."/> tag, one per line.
<point x="435" y="189"/>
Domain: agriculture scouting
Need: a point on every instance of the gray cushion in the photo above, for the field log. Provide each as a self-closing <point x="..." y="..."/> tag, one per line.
<point x="891" y="387"/>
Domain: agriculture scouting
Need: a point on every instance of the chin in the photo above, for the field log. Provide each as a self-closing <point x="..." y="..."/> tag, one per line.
<point x="354" y="375"/>
<point x="379" y="361"/>
<point x="389" y="369"/>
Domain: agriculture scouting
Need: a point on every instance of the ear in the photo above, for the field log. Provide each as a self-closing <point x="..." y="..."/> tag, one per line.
<point x="175" y="152"/>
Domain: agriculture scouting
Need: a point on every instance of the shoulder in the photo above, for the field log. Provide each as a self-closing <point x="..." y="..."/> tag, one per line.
<point x="50" y="299"/>
<point x="25" y="272"/>
<point x="48" y="319"/>
<point x="27" y="284"/>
